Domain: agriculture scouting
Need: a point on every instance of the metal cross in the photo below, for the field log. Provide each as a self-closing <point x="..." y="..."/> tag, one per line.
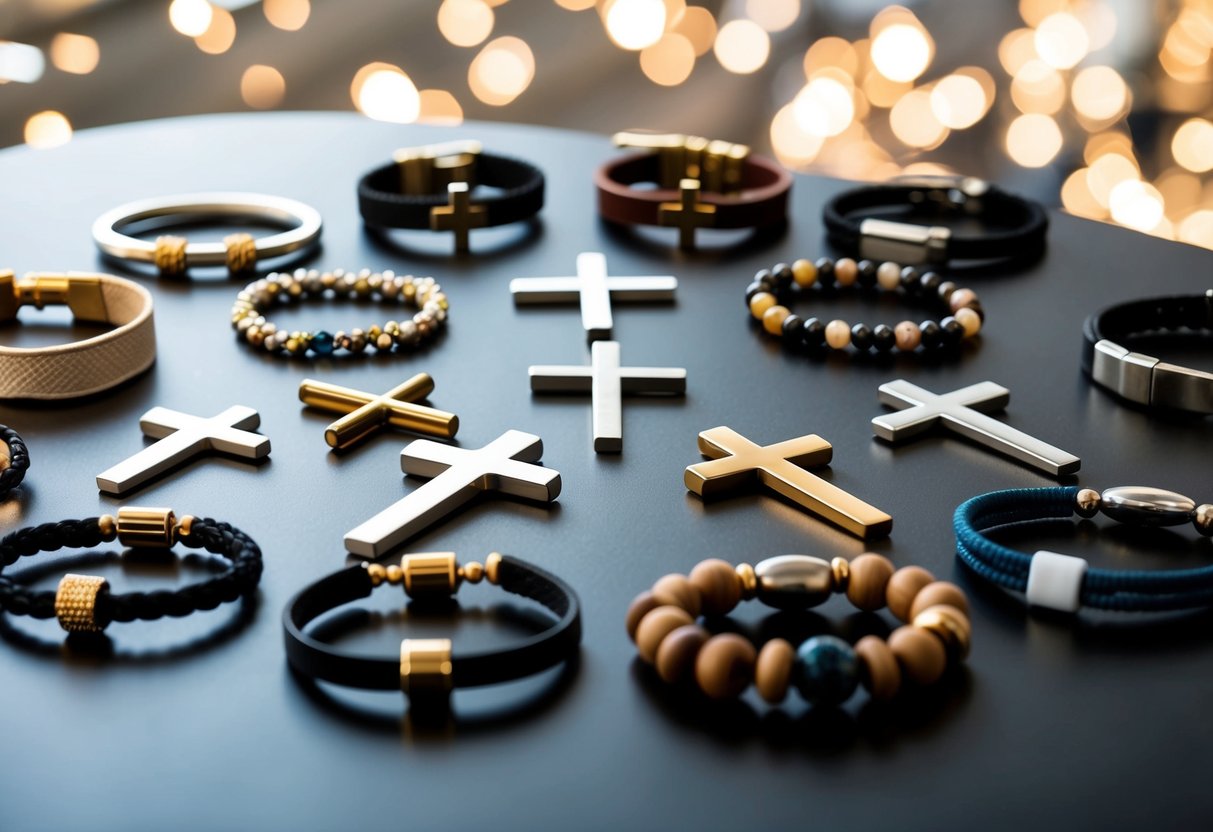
<point x="607" y="382"/>
<point x="958" y="412"/>
<point x="459" y="474"/>
<point x="366" y="413"/>
<point x="738" y="462"/>
<point x="458" y="215"/>
<point x="182" y="438"/>
<point x="594" y="290"/>
<point x="688" y="214"/>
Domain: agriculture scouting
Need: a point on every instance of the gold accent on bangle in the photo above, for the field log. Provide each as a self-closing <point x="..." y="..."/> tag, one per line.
<point x="80" y="293"/>
<point x="748" y="580"/>
<point x="107" y="524"/>
<point x="146" y="528"/>
<point x="842" y="573"/>
<point x="169" y="255"/>
<point x="425" y="666"/>
<point x="376" y="572"/>
<point x="430" y="575"/>
<point x="458" y="215"/>
<point x="688" y="214"/>
<point x="716" y="164"/>
<point x="185" y="526"/>
<point x="472" y="572"/>
<point x="429" y="168"/>
<point x="76" y="603"/>
<point x="241" y="252"/>
<point x="492" y="567"/>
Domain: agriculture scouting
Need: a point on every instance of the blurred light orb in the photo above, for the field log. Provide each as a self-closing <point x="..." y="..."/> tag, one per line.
<point x="698" y="26"/>
<point x="1016" y="48"/>
<point x="1033" y="140"/>
<point x="576" y="5"/>
<point x="1100" y="22"/>
<point x="220" y="35"/>
<point x="635" y="24"/>
<point x="773" y="15"/>
<point x="793" y="146"/>
<point x="439" y="107"/>
<point x="1077" y="198"/>
<point x="742" y="46"/>
<point x="77" y="54"/>
<point x="1192" y="145"/>
<point x="1197" y="229"/>
<point x="901" y="52"/>
<point x="669" y="61"/>
<point x="831" y="52"/>
<point x="1038" y="88"/>
<point x="1136" y="204"/>
<point x="881" y="91"/>
<point x="913" y="121"/>
<point x="465" y="22"/>
<point x="385" y="93"/>
<point x="824" y="107"/>
<point x="501" y="71"/>
<point x="47" y="129"/>
<point x="262" y="87"/>
<point x="1034" y="12"/>
<point x="1108" y="171"/>
<point x="1099" y="93"/>
<point x="21" y="62"/>
<point x="958" y="101"/>
<point x="190" y="17"/>
<point x="288" y="15"/>
<point x="1061" y="40"/>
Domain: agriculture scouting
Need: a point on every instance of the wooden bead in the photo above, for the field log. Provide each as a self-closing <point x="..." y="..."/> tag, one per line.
<point x="962" y="298"/>
<point x="725" y="665"/>
<point x="804" y="273"/>
<point x="879" y="671"/>
<point x="641" y="605"/>
<point x="774" y="670"/>
<point x="920" y="654"/>
<point x="760" y="303"/>
<point x="677" y="652"/>
<point x="903" y="586"/>
<point x="838" y="334"/>
<point x="677" y="591"/>
<point x="656" y="625"/>
<point x="718" y="585"/>
<point x="888" y="276"/>
<point x="907" y="335"/>
<point x="772" y="319"/>
<point x="846" y="271"/>
<point x="950" y="626"/>
<point x="870" y="575"/>
<point x="939" y="592"/>
<point x="969" y="319"/>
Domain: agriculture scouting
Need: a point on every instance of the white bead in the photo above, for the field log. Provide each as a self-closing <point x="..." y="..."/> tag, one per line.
<point x="888" y="275"/>
<point x="1055" y="581"/>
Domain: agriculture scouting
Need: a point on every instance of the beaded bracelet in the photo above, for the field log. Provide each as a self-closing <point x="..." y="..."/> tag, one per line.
<point x="768" y="295"/>
<point x="825" y="669"/>
<point x="1063" y="582"/>
<point x="423" y="293"/>
<point x="84" y="604"/>
<point x="14" y="459"/>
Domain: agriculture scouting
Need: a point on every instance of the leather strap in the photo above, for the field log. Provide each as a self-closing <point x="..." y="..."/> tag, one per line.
<point x="763" y="199"/>
<point x="81" y="368"/>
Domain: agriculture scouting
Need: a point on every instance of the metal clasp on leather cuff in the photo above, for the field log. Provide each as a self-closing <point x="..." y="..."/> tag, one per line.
<point x="430" y="168"/>
<point x="80" y="293"/>
<point x="718" y="165"/>
<point x="903" y="242"/>
<point x="960" y="193"/>
<point x="1147" y="380"/>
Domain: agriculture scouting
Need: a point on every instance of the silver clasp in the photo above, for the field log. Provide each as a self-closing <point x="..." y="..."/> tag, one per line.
<point x="903" y="242"/>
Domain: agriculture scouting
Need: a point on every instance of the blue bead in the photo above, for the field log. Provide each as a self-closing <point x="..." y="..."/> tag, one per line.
<point x="322" y="343"/>
<point x="826" y="670"/>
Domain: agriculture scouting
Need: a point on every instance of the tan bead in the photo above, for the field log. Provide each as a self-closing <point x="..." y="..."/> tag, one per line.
<point x="677" y="591"/>
<point x="772" y="319"/>
<point x="718" y="585"/>
<point x="920" y="655"/>
<point x="939" y="592"/>
<point x="888" y="276"/>
<point x="879" y="671"/>
<point x="838" y="334"/>
<point x="969" y="319"/>
<point x="760" y="303"/>
<point x="773" y="671"/>
<point x="656" y="625"/>
<point x="902" y="587"/>
<point x="870" y="575"/>
<point x="845" y="271"/>
<point x="641" y="605"/>
<point x="907" y="336"/>
<point x="677" y="652"/>
<point x="962" y="298"/>
<point x="725" y="665"/>
<point x="804" y="273"/>
<point x="950" y="626"/>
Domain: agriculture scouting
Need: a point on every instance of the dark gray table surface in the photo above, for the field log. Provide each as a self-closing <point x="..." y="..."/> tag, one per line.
<point x="198" y="724"/>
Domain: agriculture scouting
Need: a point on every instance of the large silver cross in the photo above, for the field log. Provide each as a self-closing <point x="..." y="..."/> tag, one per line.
<point x="607" y="382"/>
<point x="459" y="474"/>
<point x="182" y="438"/>
<point x="594" y="290"/>
<point x="958" y="411"/>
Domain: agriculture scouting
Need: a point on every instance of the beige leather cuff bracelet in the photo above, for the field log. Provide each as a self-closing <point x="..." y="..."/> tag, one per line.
<point x="80" y="368"/>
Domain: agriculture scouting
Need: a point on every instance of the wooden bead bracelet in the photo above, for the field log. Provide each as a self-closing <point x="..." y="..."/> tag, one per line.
<point x="825" y="669"/>
<point x="280" y="288"/>
<point x="768" y="295"/>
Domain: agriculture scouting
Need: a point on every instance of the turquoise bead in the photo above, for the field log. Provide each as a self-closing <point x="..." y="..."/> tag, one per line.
<point x="826" y="670"/>
<point x="322" y="343"/>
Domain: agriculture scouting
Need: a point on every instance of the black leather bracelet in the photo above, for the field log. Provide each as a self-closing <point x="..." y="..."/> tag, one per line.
<point x="1141" y="378"/>
<point x="432" y="188"/>
<point x="15" y="462"/>
<point x="85" y="604"/>
<point x="428" y="666"/>
<point x="1015" y="226"/>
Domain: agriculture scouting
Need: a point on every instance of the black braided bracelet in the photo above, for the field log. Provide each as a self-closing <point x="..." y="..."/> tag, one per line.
<point x="84" y="603"/>
<point x="13" y="465"/>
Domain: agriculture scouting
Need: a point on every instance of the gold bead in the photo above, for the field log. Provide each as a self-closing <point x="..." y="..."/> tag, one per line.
<point x="773" y="318"/>
<point x="760" y="303"/>
<point x="747" y="579"/>
<point x="1087" y="502"/>
<point x="492" y="567"/>
<point x="185" y="526"/>
<point x="384" y="341"/>
<point x="76" y="603"/>
<point x="842" y="573"/>
<point x="950" y="626"/>
<point x="804" y="273"/>
<point x="374" y="332"/>
<point x="395" y="574"/>
<point x="107" y="524"/>
<point x="376" y="572"/>
<point x="472" y="572"/>
<point x="1202" y="519"/>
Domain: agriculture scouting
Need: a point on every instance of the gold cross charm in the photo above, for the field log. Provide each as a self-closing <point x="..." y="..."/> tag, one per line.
<point x="688" y="214"/>
<point x="736" y="462"/>
<point x="367" y="413"/>
<point x="459" y="215"/>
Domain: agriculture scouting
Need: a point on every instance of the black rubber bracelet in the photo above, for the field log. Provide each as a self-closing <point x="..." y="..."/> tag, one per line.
<point x="239" y="578"/>
<point x="18" y="460"/>
<point x="1015" y="226"/>
<point x="319" y="660"/>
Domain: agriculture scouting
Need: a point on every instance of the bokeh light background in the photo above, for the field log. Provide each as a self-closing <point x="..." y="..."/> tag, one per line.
<point x="1101" y="106"/>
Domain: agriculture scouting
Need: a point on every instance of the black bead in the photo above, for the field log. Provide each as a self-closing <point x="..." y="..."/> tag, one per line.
<point x="825" y="271"/>
<point x="909" y="278"/>
<point x="979" y="309"/>
<point x="783" y="275"/>
<point x="813" y="332"/>
<point x="792" y="334"/>
<point x="882" y="338"/>
<point x="861" y="337"/>
<point x="932" y="335"/>
<point x="867" y="273"/>
<point x="953" y="331"/>
<point x="929" y="283"/>
<point x="765" y="277"/>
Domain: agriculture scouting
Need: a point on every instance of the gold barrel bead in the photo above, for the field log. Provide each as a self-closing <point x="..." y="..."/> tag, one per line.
<point x="76" y="603"/>
<point x="492" y="567"/>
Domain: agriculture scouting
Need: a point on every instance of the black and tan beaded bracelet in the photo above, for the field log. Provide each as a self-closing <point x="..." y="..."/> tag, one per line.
<point x="825" y="669"/>
<point x="14" y="459"/>
<point x="280" y="289"/>
<point x="771" y="292"/>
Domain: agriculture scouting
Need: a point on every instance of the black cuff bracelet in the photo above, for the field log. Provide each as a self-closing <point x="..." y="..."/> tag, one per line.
<point x="84" y="603"/>
<point x="14" y="459"/>
<point x="428" y="666"/>
<point x="1015" y="226"/>
<point x="431" y="188"/>
<point x="1141" y="378"/>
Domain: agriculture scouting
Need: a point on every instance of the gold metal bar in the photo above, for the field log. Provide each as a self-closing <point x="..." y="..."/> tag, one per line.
<point x="142" y="527"/>
<point x="81" y="293"/>
<point x="366" y="412"/>
<point x="430" y="575"/>
<point x="426" y="667"/>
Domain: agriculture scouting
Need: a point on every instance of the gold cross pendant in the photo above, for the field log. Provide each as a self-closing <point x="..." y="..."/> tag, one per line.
<point x="459" y="215"/>
<point x="688" y="214"/>
<point x="366" y="413"/>
<point x="736" y="462"/>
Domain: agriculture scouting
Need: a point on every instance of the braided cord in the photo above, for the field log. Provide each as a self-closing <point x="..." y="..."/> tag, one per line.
<point x="18" y="459"/>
